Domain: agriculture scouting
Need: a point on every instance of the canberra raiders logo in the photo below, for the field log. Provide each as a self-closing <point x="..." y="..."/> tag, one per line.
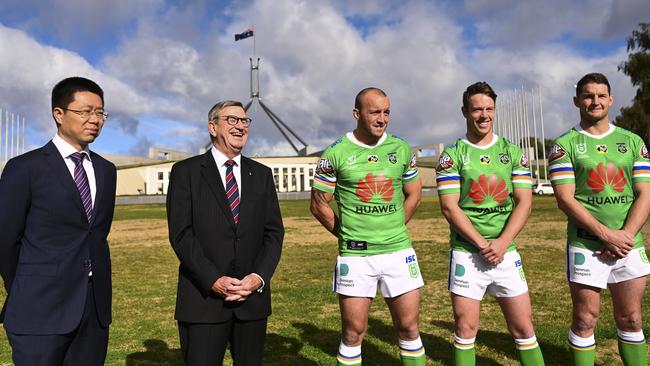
<point x="392" y="158"/>
<point x="504" y="159"/>
<point x="621" y="147"/>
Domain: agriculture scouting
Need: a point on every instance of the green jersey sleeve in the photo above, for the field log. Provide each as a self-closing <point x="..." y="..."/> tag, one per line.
<point x="411" y="171"/>
<point x="521" y="177"/>
<point x="560" y="166"/>
<point x="641" y="170"/>
<point x="447" y="172"/>
<point x="325" y="175"/>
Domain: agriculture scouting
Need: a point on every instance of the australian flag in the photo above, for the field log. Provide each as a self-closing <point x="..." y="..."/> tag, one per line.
<point x="243" y="35"/>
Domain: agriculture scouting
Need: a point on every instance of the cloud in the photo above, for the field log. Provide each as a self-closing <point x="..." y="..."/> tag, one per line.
<point x="173" y="61"/>
<point x="520" y="24"/>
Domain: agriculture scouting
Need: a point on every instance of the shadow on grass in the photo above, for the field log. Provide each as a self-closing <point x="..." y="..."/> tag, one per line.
<point x="157" y="353"/>
<point x="503" y="342"/>
<point x="328" y="342"/>
<point x="278" y="350"/>
<point x="281" y="350"/>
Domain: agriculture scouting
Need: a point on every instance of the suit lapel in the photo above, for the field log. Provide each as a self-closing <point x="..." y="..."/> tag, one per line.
<point x="99" y="185"/>
<point x="210" y="174"/>
<point x="61" y="172"/>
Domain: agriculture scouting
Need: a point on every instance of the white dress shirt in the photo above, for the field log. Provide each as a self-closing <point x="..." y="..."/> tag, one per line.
<point x="220" y="159"/>
<point x="65" y="149"/>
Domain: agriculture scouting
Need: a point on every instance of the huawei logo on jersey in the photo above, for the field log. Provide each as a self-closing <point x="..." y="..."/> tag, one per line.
<point x="488" y="186"/>
<point x="599" y="178"/>
<point x="375" y="185"/>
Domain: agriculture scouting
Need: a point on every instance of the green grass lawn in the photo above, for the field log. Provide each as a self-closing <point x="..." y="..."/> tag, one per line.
<point x="304" y="327"/>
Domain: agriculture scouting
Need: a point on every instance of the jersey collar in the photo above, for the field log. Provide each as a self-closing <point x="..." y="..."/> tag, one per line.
<point x="495" y="138"/>
<point x="354" y="140"/>
<point x="597" y="137"/>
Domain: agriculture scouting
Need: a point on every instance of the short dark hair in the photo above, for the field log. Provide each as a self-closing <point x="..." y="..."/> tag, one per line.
<point x="480" y="87"/>
<point x="214" y="111"/>
<point x="63" y="92"/>
<point x="592" y="78"/>
<point x="360" y="95"/>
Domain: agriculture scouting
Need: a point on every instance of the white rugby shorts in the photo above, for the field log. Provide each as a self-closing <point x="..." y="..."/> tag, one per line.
<point x="396" y="273"/>
<point x="470" y="275"/>
<point x="585" y="267"/>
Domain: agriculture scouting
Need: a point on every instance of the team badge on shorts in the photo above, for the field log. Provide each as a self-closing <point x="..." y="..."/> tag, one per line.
<point x="644" y="256"/>
<point x="414" y="271"/>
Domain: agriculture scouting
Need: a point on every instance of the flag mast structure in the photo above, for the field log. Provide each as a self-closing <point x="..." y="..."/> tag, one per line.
<point x="284" y="129"/>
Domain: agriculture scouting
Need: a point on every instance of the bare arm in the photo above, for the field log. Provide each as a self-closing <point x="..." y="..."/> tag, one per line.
<point x="459" y="221"/>
<point x="517" y="220"/>
<point x="320" y="208"/>
<point x="618" y="242"/>
<point x="412" y="195"/>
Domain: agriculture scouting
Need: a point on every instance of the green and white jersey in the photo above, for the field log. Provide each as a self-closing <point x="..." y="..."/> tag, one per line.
<point x="367" y="185"/>
<point x="485" y="178"/>
<point x="603" y="169"/>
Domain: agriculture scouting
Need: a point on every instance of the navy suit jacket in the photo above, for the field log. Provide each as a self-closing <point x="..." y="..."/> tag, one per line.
<point x="209" y="244"/>
<point x="46" y="241"/>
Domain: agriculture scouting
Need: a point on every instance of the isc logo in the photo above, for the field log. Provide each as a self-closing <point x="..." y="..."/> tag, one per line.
<point x="410" y="259"/>
<point x="518" y="263"/>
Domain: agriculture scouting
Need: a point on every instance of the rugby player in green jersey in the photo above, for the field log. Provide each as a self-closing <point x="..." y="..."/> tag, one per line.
<point x="372" y="176"/>
<point x="601" y="177"/>
<point x="484" y="184"/>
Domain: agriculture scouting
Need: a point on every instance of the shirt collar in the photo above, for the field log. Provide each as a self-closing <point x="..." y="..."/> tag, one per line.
<point x="221" y="159"/>
<point x="65" y="149"/>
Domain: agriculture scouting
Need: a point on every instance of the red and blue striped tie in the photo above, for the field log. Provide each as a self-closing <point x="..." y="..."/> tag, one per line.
<point x="232" y="191"/>
<point x="81" y="180"/>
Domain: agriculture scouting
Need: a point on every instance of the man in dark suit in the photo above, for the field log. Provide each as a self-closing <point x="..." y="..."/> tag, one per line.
<point x="56" y="209"/>
<point x="226" y="229"/>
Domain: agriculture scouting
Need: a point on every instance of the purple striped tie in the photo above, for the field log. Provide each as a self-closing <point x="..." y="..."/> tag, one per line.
<point x="81" y="180"/>
<point x="232" y="191"/>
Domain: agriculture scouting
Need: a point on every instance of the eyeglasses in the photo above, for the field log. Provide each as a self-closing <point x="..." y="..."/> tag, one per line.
<point x="233" y="120"/>
<point x="86" y="114"/>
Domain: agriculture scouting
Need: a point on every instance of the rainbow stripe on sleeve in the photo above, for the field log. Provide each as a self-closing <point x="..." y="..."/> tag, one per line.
<point x="522" y="177"/>
<point x="561" y="171"/>
<point x="448" y="182"/>
<point x="641" y="170"/>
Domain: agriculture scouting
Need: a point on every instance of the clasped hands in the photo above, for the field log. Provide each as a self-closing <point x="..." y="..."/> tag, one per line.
<point x="494" y="251"/>
<point x="233" y="289"/>
<point x="617" y="244"/>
